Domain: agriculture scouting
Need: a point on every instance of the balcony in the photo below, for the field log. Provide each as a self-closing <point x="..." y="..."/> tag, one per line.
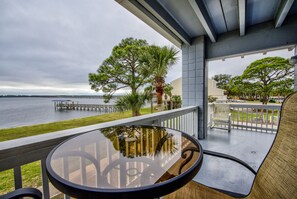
<point x="248" y="141"/>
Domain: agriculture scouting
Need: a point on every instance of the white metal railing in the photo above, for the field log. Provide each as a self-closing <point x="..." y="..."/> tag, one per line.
<point x="15" y="153"/>
<point x="264" y="118"/>
<point x="252" y="117"/>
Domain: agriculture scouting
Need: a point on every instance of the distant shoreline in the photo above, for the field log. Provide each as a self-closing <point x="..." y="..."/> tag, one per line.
<point x="58" y="96"/>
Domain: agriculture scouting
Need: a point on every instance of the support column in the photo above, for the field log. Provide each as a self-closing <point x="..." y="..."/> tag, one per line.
<point x="195" y="80"/>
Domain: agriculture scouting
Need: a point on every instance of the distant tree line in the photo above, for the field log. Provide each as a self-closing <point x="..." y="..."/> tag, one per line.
<point x="263" y="78"/>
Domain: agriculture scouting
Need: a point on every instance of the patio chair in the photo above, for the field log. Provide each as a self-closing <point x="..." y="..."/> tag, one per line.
<point x="221" y="117"/>
<point x="23" y="192"/>
<point x="276" y="177"/>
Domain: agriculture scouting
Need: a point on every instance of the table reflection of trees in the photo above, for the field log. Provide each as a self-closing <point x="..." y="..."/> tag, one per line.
<point x="133" y="141"/>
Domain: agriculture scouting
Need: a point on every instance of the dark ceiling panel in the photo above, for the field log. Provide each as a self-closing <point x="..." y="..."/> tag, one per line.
<point x="215" y="12"/>
<point x="230" y="9"/>
<point x="184" y="15"/>
<point x="259" y="11"/>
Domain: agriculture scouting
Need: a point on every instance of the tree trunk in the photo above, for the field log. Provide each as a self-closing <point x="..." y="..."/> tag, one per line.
<point x="159" y="101"/>
<point x="265" y="99"/>
<point x="135" y="113"/>
<point x="152" y="106"/>
<point x="159" y="83"/>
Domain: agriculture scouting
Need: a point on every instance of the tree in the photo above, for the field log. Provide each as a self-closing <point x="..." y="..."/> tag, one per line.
<point x="222" y="80"/>
<point x="149" y="91"/>
<point x="122" y="70"/>
<point x="284" y="88"/>
<point x="268" y="73"/>
<point x="132" y="101"/>
<point x="177" y="101"/>
<point x="235" y="87"/>
<point x="159" y="59"/>
<point x="168" y="92"/>
<point x="243" y="90"/>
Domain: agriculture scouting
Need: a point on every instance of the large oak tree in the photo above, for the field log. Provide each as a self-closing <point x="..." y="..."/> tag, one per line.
<point x="122" y="70"/>
<point x="267" y="74"/>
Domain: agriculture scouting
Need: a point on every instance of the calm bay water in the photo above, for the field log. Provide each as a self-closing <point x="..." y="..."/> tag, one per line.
<point x="24" y="111"/>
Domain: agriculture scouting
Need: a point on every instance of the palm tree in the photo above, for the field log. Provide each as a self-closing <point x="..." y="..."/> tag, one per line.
<point x="149" y="91"/>
<point x="168" y="92"/>
<point x="133" y="101"/>
<point x="159" y="59"/>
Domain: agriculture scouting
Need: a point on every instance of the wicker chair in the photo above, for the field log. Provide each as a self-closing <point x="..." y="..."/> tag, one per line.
<point x="276" y="177"/>
<point x="221" y="117"/>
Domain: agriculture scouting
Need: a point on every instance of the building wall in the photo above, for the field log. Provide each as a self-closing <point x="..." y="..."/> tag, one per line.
<point x="212" y="89"/>
<point x="177" y="86"/>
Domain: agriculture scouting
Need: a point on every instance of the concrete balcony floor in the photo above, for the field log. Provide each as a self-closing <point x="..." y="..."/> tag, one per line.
<point x="249" y="146"/>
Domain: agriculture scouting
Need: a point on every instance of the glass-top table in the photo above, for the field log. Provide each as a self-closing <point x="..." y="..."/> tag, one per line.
<point x="124" y="162"/>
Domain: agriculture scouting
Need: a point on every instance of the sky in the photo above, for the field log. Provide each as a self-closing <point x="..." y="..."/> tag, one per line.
<point x="236" y="65"/>
<point x="50" y="47"/>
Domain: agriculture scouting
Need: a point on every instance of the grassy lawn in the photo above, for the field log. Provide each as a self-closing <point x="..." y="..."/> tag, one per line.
<point x="25" y="131"/>
<point x="31" y="173"/>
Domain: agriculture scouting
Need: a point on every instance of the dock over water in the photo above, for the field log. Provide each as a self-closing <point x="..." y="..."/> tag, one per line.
<point x="71" y="105"/>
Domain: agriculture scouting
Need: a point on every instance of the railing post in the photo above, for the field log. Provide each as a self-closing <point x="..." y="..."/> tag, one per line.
<point x="17" y="177"/>
<point x="195" y="122"/>
<point x="45" y="184"/>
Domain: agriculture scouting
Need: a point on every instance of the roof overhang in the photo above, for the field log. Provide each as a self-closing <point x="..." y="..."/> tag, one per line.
<point x="248" y="24"/>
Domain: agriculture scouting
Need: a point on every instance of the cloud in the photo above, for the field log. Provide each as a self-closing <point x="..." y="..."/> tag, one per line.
<point x="48" y="46"/>
<point x="57" y="43"/>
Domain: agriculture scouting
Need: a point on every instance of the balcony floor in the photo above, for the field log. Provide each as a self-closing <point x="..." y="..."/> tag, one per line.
<point x="251" y="147"/>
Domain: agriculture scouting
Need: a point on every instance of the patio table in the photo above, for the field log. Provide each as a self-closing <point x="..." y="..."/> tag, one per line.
<point x="124" y="162"/>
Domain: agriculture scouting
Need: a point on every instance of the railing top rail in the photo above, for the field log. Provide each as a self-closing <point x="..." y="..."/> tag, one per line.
<point x="269" y="106"/>
<point x="75" y="131"/>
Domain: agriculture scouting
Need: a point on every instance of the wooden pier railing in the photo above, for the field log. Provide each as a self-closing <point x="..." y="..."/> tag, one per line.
<point x="85" y="107"/>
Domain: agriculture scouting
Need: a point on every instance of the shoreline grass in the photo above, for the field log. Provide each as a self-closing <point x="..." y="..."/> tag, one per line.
<point x="25" y="131"/>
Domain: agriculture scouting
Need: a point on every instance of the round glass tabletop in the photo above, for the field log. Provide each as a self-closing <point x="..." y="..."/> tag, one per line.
<point x="124" y="161"/>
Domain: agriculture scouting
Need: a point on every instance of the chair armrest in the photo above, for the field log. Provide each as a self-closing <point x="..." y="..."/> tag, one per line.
<point x="229" y="157"/>
<point x="23" y="192"/>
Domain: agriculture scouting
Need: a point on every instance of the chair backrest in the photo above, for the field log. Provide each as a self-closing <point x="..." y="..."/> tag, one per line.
<point x="277" y="176"/>
<point x="221" y="111"/>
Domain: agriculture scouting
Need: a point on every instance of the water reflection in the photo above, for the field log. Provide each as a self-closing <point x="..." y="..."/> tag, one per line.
<point x="134" y="141"/>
